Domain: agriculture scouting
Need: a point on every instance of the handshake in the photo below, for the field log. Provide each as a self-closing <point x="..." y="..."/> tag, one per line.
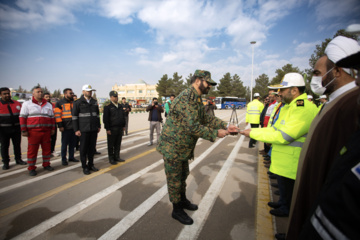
<point x="232" y="130"/>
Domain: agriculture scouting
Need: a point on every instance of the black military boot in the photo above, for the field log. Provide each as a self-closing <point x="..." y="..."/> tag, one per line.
<point x="180" y="215"/>
<point x="186" y="204"/>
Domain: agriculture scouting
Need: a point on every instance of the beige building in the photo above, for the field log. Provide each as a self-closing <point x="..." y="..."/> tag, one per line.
<point x="136" y="91"/>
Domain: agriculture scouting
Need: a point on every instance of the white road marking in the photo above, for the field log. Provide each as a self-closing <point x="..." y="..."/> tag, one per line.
<point x="206" y="204"/>
<point x="32" y="180"/>
<point x="55" y="220"/>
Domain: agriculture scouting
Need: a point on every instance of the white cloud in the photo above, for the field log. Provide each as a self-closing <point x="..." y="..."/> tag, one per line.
<point x="326" y="9"/>
<point x="306" y="48"/>
<point x="38" y="14"/>
<point x="138" y="51"/>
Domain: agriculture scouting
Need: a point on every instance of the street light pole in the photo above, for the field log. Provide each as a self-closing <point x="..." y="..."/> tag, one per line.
<point x="252" y="68"/>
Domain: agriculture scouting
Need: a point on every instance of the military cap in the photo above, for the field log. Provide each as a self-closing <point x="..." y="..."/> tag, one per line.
<point x="206" y="75"/>
<point x="113" y="94"/>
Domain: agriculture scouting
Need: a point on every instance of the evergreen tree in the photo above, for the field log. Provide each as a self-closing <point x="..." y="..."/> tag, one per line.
<point x="188" y="80"/>
<point x="288" y="68"/>
<point x="177" y="85"/>
<point x="225" y="88"/>
<point x="238" y="89"/>
<point x="164" y="87"/>
<point x="94" y="95"/>
<point x="261" y="85"/>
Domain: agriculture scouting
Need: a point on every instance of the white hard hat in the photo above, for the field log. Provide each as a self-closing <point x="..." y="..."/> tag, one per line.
<point x="290" y="80"/>
<point x="256" y="95"/>
<point x="310" y="97"/>
<point x="87" y="87"/>
<point x="322" y="97"/>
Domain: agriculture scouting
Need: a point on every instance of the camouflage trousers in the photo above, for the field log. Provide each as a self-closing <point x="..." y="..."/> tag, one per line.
<point x="176" y="172"/>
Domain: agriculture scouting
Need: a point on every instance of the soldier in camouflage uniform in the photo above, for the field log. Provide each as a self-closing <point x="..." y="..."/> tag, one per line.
<point x="186" y="122"/>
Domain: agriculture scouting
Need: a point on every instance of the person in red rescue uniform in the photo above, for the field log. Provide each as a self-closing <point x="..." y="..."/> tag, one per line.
<point x="37" y="123"/>
<point x="9" y="128"/>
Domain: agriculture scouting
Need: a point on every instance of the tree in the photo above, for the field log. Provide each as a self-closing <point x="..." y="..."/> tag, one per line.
<point x="225" y="88"/>
<point x="20" y="90"/>
<point x="238" y="89"/>
<point x="56" y="94"/>
<point x="164" y="87"/>
<point x="247" y="94"/>
<point x="94" y="95"/>
<point x="281" y="73"/>
<point x="261" y="85"/>
<point x="188" y="80"/>
<point x="177" y="85"/>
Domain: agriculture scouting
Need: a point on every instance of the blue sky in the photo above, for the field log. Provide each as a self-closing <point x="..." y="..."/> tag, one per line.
<point x="69" y="43"/>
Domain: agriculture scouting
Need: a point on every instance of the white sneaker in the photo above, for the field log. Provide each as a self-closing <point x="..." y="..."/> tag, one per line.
<point x="149" y="144"/>
<point x="55" y="154"/>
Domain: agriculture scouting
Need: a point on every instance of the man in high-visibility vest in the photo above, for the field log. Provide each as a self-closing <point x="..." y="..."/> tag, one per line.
<point x="287" y="136"/>
<point x="253" y="111"/>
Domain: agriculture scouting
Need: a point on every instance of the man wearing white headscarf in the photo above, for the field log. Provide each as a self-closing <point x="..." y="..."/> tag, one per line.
<point x="329" y="131"/>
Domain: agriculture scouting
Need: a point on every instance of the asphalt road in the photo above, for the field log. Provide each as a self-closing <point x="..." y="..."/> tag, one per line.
<point x="129" y="200"/>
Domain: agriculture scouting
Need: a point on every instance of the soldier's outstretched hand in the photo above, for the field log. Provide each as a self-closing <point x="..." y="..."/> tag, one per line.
<point x="222" y="133"/>
<point x="233" y="128"/>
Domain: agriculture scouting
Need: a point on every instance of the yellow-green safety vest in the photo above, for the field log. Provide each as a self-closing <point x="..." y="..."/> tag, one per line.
<point x="288" y="135"/>
<point x="253" y="111"/>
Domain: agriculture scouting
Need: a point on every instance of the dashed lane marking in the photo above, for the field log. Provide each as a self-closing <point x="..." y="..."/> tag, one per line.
<point x="57" y="190"/>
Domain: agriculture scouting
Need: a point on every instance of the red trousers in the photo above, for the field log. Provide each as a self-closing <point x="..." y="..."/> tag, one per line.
<point x="36" y="138"/>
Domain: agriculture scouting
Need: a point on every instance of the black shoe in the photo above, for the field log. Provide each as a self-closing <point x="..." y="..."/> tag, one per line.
<point x="93" y="168"/>
<point x="119" y="160"/>
<point x="5" y="166"/>
<point x="280" y="236"/>
<point x="277" y="192"/>
<point x="188" y="205"/>
<point x="251" y="146"/>
<point x="179" y="214"/>
<point x="275" y="185"/>
<point x="112" y="162"/>
<point x="32" y="172"/>
<point x="20" y="162"/>
<point x="279" y="212"/>
<point x="64" y="163"/>
<point x="49" y="168"/>
<point x="274" y="204"/>
<point x="73" y="160"/>
<point x="86" y="171"/>
<point x="97" y="153"/>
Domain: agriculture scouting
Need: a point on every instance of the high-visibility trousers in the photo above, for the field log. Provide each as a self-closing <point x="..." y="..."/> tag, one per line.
<point x="35" y="139"/>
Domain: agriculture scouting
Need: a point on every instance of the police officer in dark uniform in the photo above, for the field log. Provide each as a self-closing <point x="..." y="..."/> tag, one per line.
<point x="9" y="127"/>
<point x="114" y="122"/>
<point x="86" y="124"/>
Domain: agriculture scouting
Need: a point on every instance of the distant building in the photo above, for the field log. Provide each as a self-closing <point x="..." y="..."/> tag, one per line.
<point x="136" y="91"/>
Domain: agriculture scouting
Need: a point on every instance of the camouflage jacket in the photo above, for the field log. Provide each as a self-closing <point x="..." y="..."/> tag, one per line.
<point x="186" y="122"/>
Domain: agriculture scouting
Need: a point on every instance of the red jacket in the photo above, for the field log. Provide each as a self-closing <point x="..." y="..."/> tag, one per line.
<point x="37" y="117"/>
<point x="269" y="110"/>
<point x="6" y="120"/>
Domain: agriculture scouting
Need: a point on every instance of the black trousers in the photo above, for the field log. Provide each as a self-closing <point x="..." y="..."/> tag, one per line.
<point x="114" y="143"/>
<point x="53" y="140"/>
<point x="68" y="138"/>
<point x="286" y="187"/>
<point x="87" y="148"/>
<point x="14" y="134"/>
<point x="253" y="141"/>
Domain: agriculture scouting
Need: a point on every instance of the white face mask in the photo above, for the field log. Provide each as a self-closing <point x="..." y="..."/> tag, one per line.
<point x="316" y="84"/>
